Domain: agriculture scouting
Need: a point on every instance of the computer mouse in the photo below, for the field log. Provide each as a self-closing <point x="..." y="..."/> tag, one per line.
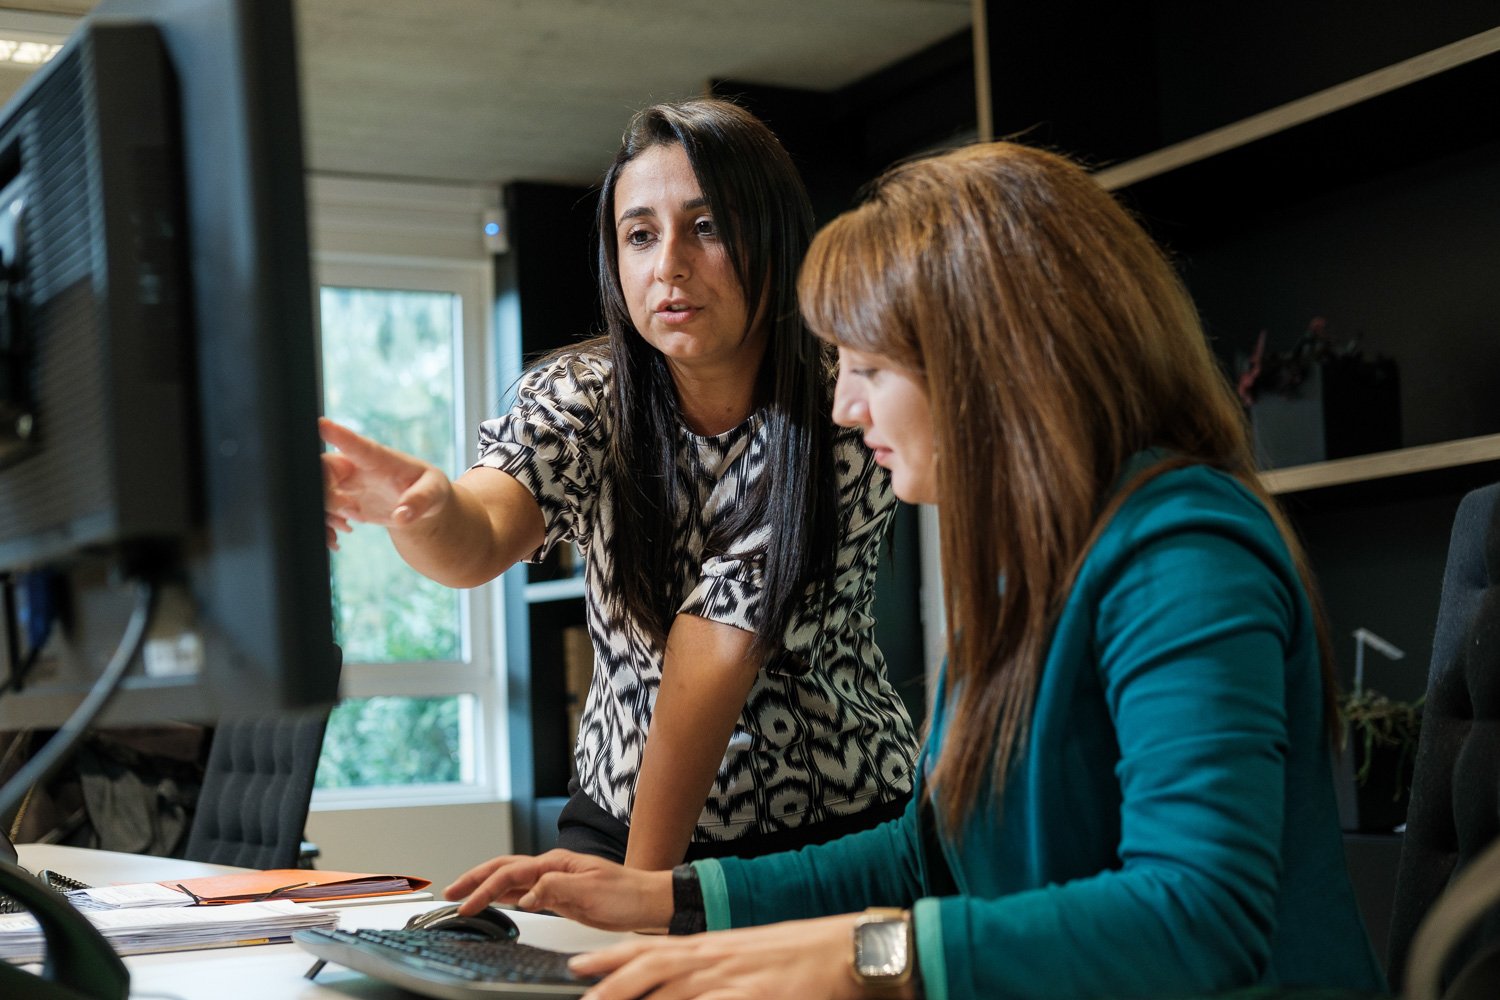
<point x="491" y="922"/>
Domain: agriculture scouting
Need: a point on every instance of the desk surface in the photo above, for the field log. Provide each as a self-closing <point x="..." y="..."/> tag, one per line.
<point x="267" y="972"/>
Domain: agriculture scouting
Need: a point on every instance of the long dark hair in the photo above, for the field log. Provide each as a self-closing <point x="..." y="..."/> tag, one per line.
<point x="765" y="221"/>
<point x="1056" y="342"/>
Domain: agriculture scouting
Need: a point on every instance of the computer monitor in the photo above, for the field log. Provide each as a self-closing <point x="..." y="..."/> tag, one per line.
<point x="158" y="372"/>
<point x="161" y="525"/>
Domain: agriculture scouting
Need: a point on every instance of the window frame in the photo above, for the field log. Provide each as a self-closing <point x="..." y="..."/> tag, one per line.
<point x="402" y="237"/>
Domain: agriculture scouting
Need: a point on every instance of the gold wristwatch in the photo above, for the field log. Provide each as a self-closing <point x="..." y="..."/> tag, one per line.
<point x="884" y="949"/>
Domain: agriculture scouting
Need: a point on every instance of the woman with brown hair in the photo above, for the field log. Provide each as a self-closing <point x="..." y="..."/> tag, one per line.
<point x="1126" y="788"/>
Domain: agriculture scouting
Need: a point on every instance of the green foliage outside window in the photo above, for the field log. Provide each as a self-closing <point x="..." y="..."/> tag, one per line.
<point x="392" y="741"/>
<point x="388" y="372"/>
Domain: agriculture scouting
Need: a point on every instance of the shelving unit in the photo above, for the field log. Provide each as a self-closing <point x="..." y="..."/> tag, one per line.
<point x="1295" y="167"/>
<point x="1467" y="62"/>
<point x="1369" y="201"/>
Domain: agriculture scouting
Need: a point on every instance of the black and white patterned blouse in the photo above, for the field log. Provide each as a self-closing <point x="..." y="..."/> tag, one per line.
<point x="826" y="741"/>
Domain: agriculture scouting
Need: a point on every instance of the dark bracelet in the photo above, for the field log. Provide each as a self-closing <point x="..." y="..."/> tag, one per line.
<point x="688" y="916"/>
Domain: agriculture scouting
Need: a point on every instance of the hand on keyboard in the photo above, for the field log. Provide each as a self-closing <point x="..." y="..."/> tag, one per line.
<point x="585" y="888"/>
<point x="800" y="958"/>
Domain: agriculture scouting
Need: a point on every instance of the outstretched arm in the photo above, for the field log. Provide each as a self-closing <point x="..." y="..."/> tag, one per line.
<point x="461" y="534"/>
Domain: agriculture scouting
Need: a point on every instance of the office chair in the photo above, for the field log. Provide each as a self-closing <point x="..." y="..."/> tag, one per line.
<point x="1454" y="815"/>
<point x="256" y="788"/>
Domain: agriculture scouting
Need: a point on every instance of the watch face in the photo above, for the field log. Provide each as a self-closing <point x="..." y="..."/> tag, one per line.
<point x="880" y="949"/>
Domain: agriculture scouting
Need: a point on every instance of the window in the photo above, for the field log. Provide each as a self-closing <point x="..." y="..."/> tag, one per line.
<point x="403" y="352"/>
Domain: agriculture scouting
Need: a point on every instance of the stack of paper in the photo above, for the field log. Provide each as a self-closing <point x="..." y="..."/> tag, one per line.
<point x="131" y="896"/>
<point x="144" y="929"/>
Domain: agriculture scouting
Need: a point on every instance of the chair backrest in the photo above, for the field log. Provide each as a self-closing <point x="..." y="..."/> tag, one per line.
<point x="256" y="788"/>
<point x="1455" y="801"/>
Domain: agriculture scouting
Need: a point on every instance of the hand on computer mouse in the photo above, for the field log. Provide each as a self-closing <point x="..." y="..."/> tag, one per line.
<point x="490" y="922"/>
<point x="585" y="888"/>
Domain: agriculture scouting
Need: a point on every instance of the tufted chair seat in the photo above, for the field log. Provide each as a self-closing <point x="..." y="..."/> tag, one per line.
<point x="1455" y="802"/>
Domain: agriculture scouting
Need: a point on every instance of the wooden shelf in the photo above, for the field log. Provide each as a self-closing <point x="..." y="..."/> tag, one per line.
<point x="1383" y="465"/>
<point x="554" y="590"/>
<point x="1409" y="113"/>
<point x="1268" y="123"/>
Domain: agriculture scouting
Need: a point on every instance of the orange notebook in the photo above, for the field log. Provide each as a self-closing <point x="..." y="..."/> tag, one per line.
<point x="297" y="884"/>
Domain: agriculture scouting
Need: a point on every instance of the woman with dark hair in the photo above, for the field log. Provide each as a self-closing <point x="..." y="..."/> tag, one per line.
<point x="730" y="530"/>
<point x="1126" y="789"/>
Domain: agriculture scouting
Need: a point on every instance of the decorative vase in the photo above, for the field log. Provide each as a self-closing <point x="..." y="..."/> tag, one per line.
<point x="1377" y="804"/>
<point x="1343" y="407"/>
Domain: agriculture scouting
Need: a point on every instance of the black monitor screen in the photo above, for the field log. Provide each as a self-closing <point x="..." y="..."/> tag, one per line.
<point x="158" y="381"/>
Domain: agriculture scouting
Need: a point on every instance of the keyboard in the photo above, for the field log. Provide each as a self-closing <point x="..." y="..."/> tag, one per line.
<point x="450" y="965"/>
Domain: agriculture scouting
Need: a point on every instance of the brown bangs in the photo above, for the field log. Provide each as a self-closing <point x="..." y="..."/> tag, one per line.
<point x="854" y="291"/>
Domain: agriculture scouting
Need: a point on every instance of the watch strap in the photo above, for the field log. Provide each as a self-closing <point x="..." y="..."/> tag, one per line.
<point x="688" y="913"/>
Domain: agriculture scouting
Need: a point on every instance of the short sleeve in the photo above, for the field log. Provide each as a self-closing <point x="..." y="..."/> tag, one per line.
<point x="552" y="442"/>
<point x="729" y="587"/>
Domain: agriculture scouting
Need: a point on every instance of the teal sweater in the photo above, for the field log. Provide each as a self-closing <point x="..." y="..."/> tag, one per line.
<point x="1171" y="826"/>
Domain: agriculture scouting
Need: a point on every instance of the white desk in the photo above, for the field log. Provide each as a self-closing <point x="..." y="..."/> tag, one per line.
<point x="267" y="972"/>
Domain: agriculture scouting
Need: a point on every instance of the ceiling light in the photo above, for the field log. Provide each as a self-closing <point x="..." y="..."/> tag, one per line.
<point x="14" y="50"/>
<point x="28" y="40"/>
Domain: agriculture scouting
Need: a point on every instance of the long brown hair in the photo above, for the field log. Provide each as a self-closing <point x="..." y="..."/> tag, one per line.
<point x="1056" y="342"/>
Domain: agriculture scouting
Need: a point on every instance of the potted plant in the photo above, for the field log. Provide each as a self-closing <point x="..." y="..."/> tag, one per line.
<point x="1379" y="749"/>
<point x="1321" y="399"/>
